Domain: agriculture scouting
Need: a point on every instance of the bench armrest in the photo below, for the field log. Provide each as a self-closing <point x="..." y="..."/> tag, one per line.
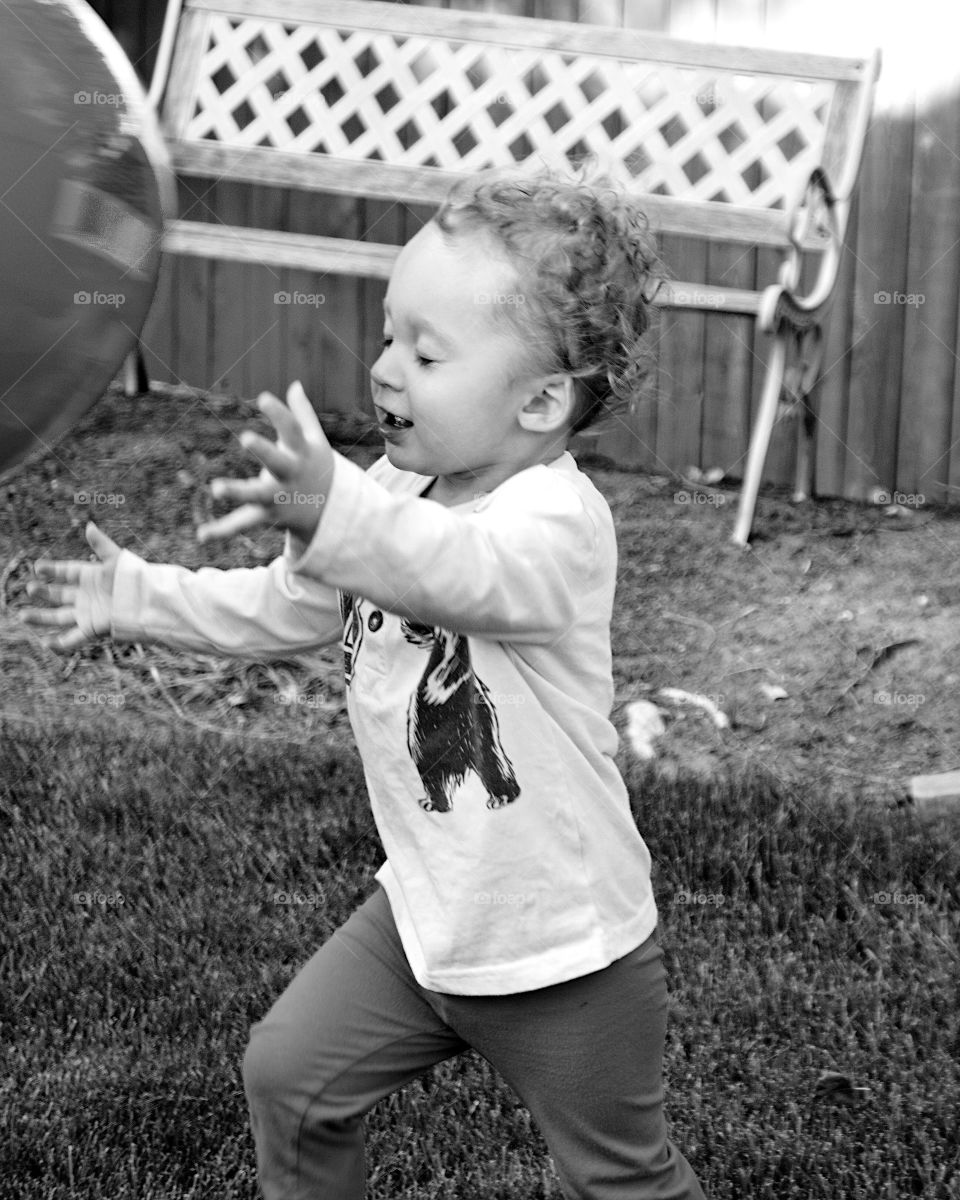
<point x="780" y="304"/>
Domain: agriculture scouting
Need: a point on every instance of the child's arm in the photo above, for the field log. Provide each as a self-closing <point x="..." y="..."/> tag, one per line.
<point x="519" y="570"/>
<point x="264" y="611"/>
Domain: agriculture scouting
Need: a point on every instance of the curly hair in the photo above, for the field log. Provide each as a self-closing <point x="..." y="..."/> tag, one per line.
<point x="587" y="272"/>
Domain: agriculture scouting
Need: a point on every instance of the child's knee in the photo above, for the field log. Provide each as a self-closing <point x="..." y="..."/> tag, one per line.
<point x="272" y="1064"/>
<point x="284" y="1075"/>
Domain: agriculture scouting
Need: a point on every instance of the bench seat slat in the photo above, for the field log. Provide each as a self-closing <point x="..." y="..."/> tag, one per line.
<point x="428" y="185"/>
<point x="370" y="260"/>
<point x="300" y="251"/>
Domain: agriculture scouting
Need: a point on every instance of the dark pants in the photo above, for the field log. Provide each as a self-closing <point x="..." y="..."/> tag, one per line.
<point x="585" y="1057"/>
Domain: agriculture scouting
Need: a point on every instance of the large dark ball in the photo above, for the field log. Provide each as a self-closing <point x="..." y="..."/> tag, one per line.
<point x="85" y="185"/>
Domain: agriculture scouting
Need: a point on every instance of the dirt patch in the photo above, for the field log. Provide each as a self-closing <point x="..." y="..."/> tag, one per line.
<point x="832" y="646"/>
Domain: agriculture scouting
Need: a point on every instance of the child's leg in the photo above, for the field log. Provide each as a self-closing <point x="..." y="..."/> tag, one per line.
<point x="351" y="1027"/>
<point x="586" y="1057"/>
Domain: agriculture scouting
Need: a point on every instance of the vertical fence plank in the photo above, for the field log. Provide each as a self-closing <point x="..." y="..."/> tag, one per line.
<point x="929" y="302"/>
<point x="830" y="396"/>
<point x="652" y="15"/>
<point x="192" y="317"/>
<point x="266" y="368"/>
<point x="876" y="354"/>
<point x="158" y="338"/>
<point x="555" y="10"/>
<point x="600" y="12"/>
<point x="728" y="366"/>
<point x="230" y="298"/>
<point x="953" y="471"/>
<point x="322" y="348"/>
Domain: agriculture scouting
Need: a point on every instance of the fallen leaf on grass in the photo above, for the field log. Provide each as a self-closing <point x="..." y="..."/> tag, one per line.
<point x="876" y="657"/>
<point x="884" y="653"/>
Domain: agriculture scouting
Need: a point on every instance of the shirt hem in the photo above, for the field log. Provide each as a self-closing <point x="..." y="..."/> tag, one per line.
<point x="559" y="965"/>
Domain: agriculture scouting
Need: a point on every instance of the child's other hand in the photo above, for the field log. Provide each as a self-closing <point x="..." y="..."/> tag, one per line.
<point x="297" y="470"/>
<point x="81" y="592"/>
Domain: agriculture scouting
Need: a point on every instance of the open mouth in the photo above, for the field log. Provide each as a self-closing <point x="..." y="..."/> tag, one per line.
<point x="392" y="421"/>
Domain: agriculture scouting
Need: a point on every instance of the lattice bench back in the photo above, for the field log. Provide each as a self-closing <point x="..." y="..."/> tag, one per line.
<point x="393" y="102"/>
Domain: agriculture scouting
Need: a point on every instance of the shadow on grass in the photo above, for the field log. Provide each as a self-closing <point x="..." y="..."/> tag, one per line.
<point x="159" y="892"/>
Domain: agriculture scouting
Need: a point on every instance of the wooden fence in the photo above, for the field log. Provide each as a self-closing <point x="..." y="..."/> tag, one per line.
<point x="889" y="402"/>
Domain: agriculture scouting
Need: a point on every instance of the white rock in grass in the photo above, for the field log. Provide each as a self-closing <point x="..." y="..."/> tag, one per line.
<point x="644" y="726"/>
<point x="680" y="697"/>
<point x="773" y="691"/>
<point x="935" y="791"/>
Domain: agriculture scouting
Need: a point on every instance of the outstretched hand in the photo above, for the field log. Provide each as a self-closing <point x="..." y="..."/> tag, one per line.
<point x="80" y="591"/>
<point x="296" y="473"/>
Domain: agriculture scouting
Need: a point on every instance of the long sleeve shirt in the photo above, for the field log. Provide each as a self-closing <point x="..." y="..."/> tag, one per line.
<point x="477" y="659"/>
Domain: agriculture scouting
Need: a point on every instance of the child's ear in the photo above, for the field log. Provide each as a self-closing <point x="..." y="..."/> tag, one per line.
<point x="551" y="408"/>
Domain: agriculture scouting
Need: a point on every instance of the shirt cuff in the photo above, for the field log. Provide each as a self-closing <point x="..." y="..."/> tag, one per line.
<point x="125" y="605"/>
<point x="336" y="522"/>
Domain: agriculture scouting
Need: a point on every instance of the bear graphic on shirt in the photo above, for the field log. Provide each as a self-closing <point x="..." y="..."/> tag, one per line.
<point x="452" y="725"/>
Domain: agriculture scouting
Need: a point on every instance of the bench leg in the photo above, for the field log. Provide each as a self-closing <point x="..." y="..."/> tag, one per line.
<point x="803" y="479"/>
<point x="809" y="361"/>
<point x="135" y="379"/>
<point x="760" y="439"/>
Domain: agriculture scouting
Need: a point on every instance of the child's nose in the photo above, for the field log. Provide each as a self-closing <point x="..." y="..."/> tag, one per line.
<point x="385" y="372"/>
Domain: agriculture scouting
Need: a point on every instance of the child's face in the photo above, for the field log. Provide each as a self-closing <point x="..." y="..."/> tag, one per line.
<point x="454" y="366"/>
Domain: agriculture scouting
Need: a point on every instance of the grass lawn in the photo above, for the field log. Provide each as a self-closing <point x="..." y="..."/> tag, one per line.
<point x="158" y="812"/>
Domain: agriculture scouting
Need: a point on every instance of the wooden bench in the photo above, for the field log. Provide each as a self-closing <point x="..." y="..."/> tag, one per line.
<point x="759" y="148"/>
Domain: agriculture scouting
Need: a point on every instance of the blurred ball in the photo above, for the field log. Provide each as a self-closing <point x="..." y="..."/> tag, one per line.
<point x="85" y="184"/>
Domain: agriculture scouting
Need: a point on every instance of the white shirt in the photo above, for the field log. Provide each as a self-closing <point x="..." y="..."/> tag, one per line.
<point x="479" y="686"/>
